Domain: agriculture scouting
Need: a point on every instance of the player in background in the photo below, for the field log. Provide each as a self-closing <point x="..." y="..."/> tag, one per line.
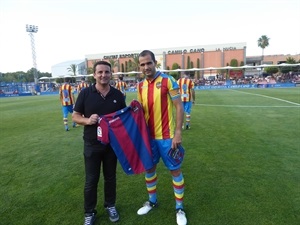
<point x="159" y="95"/>
<point x="187" y="91"/>
<point x="121" y="86"/>
<point x="82" y="85"/>
<point x="67" y="99"/>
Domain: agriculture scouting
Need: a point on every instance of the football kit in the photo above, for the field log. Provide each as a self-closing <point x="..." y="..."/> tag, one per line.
<point x="127" y="133"/>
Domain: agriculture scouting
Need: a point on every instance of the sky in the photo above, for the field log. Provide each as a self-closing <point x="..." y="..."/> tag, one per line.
<point x="71" y="29"/>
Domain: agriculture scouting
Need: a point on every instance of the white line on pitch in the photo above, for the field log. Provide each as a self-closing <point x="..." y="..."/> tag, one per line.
<point x="265" y="96"/>
<point x="248" y="106"/>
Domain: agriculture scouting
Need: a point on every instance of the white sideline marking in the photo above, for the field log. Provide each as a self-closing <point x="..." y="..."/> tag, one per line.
<point x="295" y="105"/>
<point x="265" y="96"/>
<point x="250" y="106"/>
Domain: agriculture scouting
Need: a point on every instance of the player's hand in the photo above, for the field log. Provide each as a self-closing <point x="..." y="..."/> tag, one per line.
<point x="177" y="139"/>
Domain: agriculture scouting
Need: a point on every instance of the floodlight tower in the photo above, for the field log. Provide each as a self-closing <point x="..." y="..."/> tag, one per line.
<point x="33" y="29"/>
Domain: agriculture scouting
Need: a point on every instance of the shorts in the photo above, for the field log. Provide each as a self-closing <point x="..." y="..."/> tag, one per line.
<point x="187" y="107"/>
<point x="171" y="158"/>
<point x="67" y="109"/>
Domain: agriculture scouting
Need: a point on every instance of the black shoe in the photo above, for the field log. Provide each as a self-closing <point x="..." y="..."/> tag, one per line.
<point x="187" y="127"/>
<point x="89" y="218"/>
<point x="112" y="213"/>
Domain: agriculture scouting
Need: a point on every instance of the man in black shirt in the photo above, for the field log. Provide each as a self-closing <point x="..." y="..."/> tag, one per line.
<point x="98" y="99"/>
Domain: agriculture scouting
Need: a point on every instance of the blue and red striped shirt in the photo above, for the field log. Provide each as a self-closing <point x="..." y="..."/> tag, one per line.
<point x="128" y="135"/>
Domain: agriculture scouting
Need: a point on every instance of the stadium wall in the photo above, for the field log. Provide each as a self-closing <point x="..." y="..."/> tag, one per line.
<point x="285" y="85"/>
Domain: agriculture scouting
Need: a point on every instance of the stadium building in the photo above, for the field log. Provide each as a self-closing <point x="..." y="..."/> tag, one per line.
<point x="201" y="56"/>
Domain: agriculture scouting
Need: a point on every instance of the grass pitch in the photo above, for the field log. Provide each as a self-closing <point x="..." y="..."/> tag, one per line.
<point x="242" y="164"/>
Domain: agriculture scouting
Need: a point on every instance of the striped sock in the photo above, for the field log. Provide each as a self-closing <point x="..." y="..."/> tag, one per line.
<point x="66" y="123"/>
<point x="178" y="186"/>
<point x="188" y="119"/>
<point x="151" y="181"/>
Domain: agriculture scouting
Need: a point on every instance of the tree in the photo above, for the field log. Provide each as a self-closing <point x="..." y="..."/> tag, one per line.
<point x="291" y="60"/>
<point x="271" y="70"/>
<point x="30" y="74"/>
<point x="90" y="70"/>
<point x="158" y="65"/>
<point x="198" y="66"/>
<point x="176" y="75"/>
<point x="287" y="69"/>
<point x="113" y="63"/>
<point x="188" y="62"/>
<point x="133" y="65"/>
<point x="263" y="42"/>
<point x="136" y="63"/>
<point x="72" y="69"/>
<point x="234" y="63"/>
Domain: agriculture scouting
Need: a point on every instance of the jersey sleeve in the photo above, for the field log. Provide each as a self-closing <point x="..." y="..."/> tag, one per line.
<point x="173" y="88"/>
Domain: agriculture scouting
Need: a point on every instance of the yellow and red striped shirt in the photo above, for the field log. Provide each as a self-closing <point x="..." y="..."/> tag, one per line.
<point x="121" y="86"/>
<point x="156" y="98"/>
<point x="82" y="86"/>
<point x="185" y="87"/>
<point x="66" y="95"/>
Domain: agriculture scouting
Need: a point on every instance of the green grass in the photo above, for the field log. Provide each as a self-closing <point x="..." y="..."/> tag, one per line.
<point x="242" y="164"/>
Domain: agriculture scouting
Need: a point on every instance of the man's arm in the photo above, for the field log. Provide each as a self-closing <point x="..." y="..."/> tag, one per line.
<point x="193" y="95"/>
<point x="179" y="120"/>
<point x="74" y="99"/>
<point x="80" y="119"/>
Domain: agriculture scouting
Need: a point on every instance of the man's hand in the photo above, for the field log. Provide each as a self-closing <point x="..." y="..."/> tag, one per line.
<point x="93" y="119"/>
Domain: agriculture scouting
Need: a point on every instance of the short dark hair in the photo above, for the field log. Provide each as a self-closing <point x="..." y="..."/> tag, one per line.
<point x="147" y="52"/>
<point x="101" y="63"/>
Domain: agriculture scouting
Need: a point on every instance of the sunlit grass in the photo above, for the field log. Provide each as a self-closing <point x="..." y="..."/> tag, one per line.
<point x="242" y="164"/>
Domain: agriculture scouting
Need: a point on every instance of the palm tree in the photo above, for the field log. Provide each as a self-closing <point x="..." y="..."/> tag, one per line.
<point x="263" y="42"/>
<point x="136" y="63"/>
<point x="113" y="63"/>
<point x="72" y="69"/>
<point x="158" y="65"/>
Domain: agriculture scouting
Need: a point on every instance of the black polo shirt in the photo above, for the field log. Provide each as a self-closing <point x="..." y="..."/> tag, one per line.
<point x="90" y="102"/>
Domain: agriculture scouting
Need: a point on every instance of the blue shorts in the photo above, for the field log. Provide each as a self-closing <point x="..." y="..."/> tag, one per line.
<point x="67" y="109"/>
<point x="162" y="149"/>
<point x="187" y="107"/>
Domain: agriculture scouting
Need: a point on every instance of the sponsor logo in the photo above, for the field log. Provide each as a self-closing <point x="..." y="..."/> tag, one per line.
<point x="158" y="85"/>
<point x="114" y="120"/>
